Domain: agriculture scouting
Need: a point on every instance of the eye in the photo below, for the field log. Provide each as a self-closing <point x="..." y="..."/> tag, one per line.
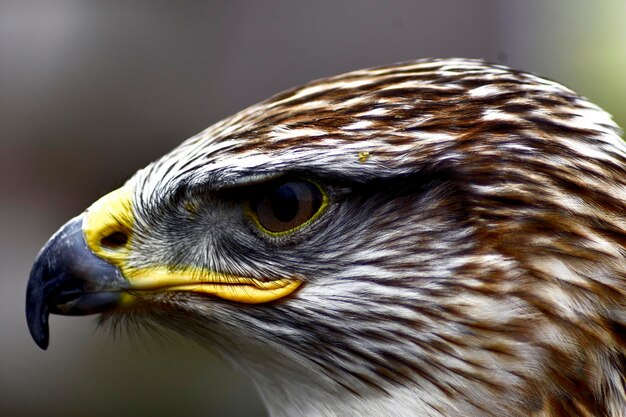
<point x="287" y="205"/>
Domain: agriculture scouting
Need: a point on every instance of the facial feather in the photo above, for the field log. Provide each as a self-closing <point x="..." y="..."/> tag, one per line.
<point x="470" y="260"/>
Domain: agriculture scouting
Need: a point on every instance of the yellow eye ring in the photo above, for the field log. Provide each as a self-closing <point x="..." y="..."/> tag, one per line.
<point x="282" y="208"/>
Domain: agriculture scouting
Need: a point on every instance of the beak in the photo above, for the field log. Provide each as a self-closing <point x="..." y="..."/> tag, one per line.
<point x="84" y="269"/>
<point x="68" y="278"/>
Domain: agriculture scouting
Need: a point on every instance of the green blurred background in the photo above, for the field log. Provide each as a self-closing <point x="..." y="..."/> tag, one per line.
<point x="90" y="91"/>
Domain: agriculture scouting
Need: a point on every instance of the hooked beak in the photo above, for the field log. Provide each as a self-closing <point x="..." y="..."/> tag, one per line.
<point x="68" y="278"/>
<point x="84" y="269"/>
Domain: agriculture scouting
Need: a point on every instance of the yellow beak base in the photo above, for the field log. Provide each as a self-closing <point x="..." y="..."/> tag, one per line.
<point x="107" y="227"/>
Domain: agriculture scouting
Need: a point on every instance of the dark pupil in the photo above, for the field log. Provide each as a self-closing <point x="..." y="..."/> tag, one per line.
<point x="288" y="205"/>
<point x="284" y="203"/>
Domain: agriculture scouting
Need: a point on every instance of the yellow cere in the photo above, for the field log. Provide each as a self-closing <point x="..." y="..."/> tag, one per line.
<point x="113" y="214"/>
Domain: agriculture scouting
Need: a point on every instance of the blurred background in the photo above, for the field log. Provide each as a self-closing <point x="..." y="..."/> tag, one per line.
<point x="90" y="91"/>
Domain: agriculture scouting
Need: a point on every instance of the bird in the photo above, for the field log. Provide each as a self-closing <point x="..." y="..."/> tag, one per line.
<point x="439" y="237"/>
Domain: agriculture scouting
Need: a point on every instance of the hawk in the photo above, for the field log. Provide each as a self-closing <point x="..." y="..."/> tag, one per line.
<point x="443" y="237"/>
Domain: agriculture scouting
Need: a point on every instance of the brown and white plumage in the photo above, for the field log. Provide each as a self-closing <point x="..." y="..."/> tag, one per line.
<point x="469" y="261"/>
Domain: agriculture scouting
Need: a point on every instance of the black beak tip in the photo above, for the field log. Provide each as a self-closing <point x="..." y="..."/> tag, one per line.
<point x="38" y="326"/>
<point x="68" y="279"/>
<point x="37" y="314"/>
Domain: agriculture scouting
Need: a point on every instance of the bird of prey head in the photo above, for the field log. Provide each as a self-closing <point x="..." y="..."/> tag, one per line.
<point x="434" y="238"/>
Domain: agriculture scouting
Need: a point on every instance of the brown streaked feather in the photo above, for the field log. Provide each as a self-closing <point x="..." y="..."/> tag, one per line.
<point x="476" y="257"/>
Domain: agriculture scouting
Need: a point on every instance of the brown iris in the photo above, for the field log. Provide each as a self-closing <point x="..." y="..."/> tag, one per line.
<point x="287" y="205"/>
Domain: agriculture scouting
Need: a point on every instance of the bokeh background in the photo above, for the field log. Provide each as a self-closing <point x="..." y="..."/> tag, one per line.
<point x="90" y="91"/>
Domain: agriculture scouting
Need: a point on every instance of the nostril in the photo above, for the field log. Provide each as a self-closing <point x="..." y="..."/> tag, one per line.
<point x="114" y="241"/>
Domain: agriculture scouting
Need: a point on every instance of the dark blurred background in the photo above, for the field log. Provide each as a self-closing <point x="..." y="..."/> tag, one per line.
<point x="90" y="91"/>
